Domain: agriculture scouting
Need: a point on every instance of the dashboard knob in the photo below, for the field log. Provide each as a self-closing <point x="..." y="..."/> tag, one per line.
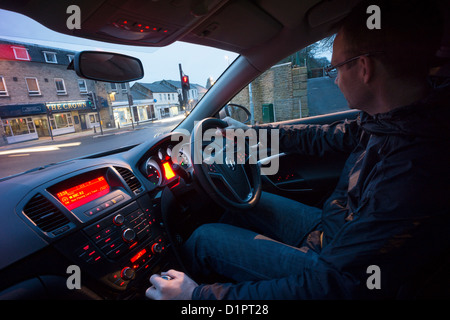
<point x="156" y="248"/>
<point x="127" y="273"/>
<point x="128" y="235"/>
<point x="118" y="220"/>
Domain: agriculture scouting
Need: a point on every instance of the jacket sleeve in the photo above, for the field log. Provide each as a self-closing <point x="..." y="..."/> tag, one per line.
<point x="314" y="140"/>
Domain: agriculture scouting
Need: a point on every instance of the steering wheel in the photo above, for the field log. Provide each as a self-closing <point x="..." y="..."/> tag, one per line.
<point x="231" y="182"/>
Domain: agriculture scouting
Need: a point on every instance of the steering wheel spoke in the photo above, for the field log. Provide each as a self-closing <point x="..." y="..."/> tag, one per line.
<point x="236" y="183"/>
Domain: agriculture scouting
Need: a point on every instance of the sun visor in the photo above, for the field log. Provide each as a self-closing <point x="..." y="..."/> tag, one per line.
<point x="327" y="12"/>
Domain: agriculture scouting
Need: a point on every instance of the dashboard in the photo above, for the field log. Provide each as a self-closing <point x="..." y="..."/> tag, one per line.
<point x="101" y="213"/>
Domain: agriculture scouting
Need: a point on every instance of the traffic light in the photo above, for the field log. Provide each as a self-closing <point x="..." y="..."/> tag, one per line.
<point x="91" y="102"/>
<point x="185" y="83"/>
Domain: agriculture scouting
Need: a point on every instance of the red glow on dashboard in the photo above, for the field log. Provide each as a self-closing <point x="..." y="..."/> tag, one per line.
<point x="83" y="193"/>
<point x="168" y="172"/>
<point x="138" y="255"/>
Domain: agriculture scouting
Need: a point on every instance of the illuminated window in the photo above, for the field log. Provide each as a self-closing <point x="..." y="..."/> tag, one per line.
<point x="61" y="120"/>
<point x="18" y="126"/>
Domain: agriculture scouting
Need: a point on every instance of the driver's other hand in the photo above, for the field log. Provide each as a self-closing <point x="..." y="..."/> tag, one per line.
<point x="179" y="287"/>
<point x="234" y="124"/>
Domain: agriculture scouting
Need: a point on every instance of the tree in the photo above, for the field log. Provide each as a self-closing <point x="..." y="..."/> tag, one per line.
<point x="309" y="56"/>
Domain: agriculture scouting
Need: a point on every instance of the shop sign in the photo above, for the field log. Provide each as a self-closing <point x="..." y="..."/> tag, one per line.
<point x="67" y="106"/>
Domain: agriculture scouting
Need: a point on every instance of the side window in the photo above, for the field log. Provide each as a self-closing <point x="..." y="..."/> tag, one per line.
<point x="296" y="87"/>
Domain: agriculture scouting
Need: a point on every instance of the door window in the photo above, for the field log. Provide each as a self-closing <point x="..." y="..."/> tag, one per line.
<point x="296" y="87"/>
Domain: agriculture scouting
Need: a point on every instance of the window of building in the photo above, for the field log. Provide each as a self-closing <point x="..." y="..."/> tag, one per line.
<point x="50" y="57"/>
<point x="61" y="120"/>
<point x="93" y="119"/>
<point x="113" y="87"/>
<point x="82" y="86"/>
<point x="3" y="90"/>
<point x="33" y="86"/>
<point x="21" y="53"/>
<point x="18" y="126"/>
<point x="60" y="86"/>
<point x="124" y="87"/>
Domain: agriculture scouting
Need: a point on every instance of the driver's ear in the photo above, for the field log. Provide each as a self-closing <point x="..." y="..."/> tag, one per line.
<point x="366" y="68"/>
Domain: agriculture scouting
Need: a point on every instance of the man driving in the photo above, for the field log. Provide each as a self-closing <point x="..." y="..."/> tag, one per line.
<point x="389" y="213"/>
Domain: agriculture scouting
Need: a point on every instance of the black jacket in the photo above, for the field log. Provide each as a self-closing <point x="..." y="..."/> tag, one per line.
<point x="390" y="208"/>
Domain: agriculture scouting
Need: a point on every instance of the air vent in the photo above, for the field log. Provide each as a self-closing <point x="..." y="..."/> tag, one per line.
<point x="44" y="214"/>
<point x="130" y="179"/>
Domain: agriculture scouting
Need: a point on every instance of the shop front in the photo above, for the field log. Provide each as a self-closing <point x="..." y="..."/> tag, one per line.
<point x="32" y="121"/>
<point x="140" y="112"/>
<point x="18" y="121"/>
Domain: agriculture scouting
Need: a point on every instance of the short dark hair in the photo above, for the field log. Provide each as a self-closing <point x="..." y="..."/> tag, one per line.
<point x="410" y="34"/>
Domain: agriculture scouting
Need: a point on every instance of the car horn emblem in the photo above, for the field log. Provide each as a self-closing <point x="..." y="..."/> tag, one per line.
<point x="230" y="163"/>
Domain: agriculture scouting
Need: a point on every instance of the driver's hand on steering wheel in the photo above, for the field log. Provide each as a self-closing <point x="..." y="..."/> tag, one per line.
<point x="234" y="124"/>
<point x="171" y="285"/>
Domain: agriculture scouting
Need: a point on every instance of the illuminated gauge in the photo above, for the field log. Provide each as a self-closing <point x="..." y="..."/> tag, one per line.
<point x="185" y="161"/>
<point x="169" y="151"/>
<point x="183" y="157"/>
<point x="153" y="172"/>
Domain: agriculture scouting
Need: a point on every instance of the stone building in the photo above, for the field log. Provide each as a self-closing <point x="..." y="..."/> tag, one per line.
<point x="39" y="97"/>
<point x="278" y="94"/>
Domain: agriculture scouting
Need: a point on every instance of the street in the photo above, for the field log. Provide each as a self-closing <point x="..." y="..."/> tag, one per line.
<point x="24" y="156"/>
<point x="325" y="97"/>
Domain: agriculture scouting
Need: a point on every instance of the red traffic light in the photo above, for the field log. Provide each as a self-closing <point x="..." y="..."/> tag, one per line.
<point x="185" y="79"/>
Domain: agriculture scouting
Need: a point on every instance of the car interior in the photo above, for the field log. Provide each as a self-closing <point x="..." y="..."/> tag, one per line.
<point x="148" y="205"/>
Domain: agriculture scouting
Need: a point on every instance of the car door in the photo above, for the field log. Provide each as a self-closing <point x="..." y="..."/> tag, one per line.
<point x="308" y="179"/>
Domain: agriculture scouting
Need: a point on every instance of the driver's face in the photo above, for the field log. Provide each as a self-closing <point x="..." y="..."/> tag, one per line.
<point x="348" y="76"/>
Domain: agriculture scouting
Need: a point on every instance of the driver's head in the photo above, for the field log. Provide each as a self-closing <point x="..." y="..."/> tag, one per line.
<point x="402" y="49"/>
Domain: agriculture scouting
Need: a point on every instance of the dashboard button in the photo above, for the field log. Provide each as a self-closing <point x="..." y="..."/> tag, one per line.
<point x="156" y="248"/>
<point x="127" y="273"/>
<point x="128" y="235"/>
<point x="118" y="220"/>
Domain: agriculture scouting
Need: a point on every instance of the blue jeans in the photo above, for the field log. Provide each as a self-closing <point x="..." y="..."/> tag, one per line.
<point x="271" y="240"/>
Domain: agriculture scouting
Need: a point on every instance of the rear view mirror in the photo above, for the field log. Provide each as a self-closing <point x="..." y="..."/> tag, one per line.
<point x="107" y="66"/>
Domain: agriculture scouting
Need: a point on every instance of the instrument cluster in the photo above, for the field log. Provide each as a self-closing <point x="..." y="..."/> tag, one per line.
<point x="164" y="165"/>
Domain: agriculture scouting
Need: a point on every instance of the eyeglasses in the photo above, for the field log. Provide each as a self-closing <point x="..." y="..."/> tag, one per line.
<point x="331" y="70"/>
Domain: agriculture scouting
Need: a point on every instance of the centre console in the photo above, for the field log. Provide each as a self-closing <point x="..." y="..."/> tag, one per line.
<point x="123" y="239"/>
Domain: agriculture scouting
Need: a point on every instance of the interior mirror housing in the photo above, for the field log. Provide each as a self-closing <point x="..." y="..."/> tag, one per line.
<point x="107" y="66"/>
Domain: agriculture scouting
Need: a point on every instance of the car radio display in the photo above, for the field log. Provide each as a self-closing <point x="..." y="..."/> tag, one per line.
<point x="83" y="193"/>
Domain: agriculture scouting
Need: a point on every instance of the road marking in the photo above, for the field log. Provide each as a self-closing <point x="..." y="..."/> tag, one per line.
<point x="40" y="149"/>
<point x="19" y="155"/>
